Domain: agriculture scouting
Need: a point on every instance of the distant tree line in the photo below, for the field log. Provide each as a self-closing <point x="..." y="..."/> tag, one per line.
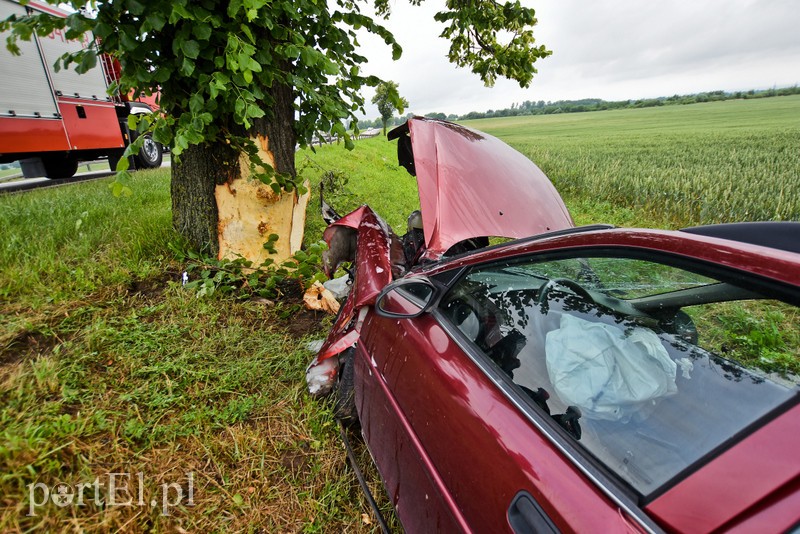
<point x="540" y="107"/>
<point x="365" y="124"/>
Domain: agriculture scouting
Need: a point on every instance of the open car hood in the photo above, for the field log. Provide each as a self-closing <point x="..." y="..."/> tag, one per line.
<point x="473" y="185"/>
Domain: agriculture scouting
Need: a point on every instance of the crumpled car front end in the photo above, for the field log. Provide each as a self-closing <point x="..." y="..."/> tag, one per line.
<point x="472" y="186"/>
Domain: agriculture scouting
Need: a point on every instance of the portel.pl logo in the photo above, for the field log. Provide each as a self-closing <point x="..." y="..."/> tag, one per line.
<point x="111" y="490"/>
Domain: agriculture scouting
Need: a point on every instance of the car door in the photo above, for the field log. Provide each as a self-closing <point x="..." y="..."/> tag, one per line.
<point x="455" y="452"/>
<point x="578" y="386"/>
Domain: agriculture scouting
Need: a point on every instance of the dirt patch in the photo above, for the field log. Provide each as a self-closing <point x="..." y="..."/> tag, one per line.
<point x="297" y="459"/>
<point x="305" y="322"/>
<point x="70" y="408"/>
<point x="294" y="317"/>
<point x="152" y="287"/>
<point x="25" y="344"/>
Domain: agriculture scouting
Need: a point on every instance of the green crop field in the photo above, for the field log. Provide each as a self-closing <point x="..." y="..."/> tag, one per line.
<point x="671" y="166"/>
<point x="694" y="164"/>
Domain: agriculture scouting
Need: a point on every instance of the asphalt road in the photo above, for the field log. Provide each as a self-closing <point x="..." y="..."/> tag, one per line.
<point x="29" y="184"/>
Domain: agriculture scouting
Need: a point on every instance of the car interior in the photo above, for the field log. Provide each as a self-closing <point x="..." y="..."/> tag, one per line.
<point x="661" y="407"/>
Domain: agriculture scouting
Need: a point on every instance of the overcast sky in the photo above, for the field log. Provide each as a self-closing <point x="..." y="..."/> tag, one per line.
<point x="610" y="49"/>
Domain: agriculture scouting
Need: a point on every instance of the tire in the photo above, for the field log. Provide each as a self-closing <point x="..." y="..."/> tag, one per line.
<point x="59" y="167"/>
<point x="150" y="155"/>
<point x="344" y="401"/>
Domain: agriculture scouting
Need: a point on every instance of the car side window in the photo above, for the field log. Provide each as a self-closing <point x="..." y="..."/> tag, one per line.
<point x="647" y="365"/>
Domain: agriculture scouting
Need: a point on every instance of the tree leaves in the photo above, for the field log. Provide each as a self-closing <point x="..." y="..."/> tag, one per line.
<point x="215" y="68"/>
<point x="492" y="39"/>
<point x="190" y="48"/>
<point x="388" y="99"/>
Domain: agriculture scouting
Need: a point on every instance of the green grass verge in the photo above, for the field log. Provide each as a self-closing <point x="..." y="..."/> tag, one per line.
<point x="108" y="365"/>
<point x="369" y="174"/>
<point x="67" y="241"/>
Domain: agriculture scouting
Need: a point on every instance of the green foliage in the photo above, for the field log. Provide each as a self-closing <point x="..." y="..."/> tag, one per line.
<point x="492" y="39"/>
<point x="240" y="278"/>
<point x="761" y="334"/>
<point x="388" y="99"/>
<point x="215" y="68"/>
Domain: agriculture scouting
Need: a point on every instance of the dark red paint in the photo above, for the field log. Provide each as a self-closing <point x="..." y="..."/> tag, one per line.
<point x="472" y="184"/>
<point x="453" y="449"/>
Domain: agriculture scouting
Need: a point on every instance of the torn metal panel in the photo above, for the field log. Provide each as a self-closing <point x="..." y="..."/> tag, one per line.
<point x="371" y="254"/>
<point x="364" y="238"/>
<point x="321" y="373"/>
<point x="321" y="376"/>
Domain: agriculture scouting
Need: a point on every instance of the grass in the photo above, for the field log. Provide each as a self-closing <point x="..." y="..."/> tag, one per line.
<point x="9" y="172"/>
<point x="107" y="364"/>
<point x="367" y="175"/>
<point x="71" y="240"/>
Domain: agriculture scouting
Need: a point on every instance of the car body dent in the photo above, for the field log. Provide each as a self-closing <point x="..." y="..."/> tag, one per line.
<point x="473" y="185"/>
<point x="462" y="176"/>
<point x="373" y="264"/>
<point x="373" y="271"/>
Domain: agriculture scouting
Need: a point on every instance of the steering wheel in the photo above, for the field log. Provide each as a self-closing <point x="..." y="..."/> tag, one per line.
<point x="572" y="285"/>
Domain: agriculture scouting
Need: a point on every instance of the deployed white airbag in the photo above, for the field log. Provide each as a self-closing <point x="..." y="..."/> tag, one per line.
<point x="608" y="372"/>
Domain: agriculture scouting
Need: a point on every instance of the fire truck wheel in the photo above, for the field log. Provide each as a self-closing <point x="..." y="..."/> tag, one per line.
<point x="150" y="155"/>
<point x="60" y="166"/>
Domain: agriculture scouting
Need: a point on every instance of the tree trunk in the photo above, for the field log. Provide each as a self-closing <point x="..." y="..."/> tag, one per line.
<point x="223" y="212"/>
<point x="194" y="180"/>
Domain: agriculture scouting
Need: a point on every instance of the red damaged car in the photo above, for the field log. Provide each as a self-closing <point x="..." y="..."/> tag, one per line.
<point x="589" y="379"/>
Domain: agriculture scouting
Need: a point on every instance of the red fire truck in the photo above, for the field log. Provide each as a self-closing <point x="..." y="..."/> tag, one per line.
<point x="49" y="121"/>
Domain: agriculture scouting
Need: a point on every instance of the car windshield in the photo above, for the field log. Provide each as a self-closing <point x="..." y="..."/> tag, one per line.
<point x="648" y="366"/>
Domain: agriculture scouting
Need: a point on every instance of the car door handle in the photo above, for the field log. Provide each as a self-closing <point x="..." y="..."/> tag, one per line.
<point x="526" y="516"/>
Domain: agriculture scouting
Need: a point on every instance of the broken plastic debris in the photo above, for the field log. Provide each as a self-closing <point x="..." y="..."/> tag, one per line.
<point x="320" y="377"/>
<point x="314" y="346"/>
<point x="338" y="287"/>
<point x="319" y="298"/>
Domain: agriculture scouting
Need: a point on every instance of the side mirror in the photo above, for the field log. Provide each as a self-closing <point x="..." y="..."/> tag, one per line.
<point x="406" y="299"/>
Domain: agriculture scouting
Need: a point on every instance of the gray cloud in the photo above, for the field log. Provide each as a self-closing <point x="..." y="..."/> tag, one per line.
<point x="613" y="49"/>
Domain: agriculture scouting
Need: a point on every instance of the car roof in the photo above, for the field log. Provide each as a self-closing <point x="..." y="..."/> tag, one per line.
<point x="781" y="235"/>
